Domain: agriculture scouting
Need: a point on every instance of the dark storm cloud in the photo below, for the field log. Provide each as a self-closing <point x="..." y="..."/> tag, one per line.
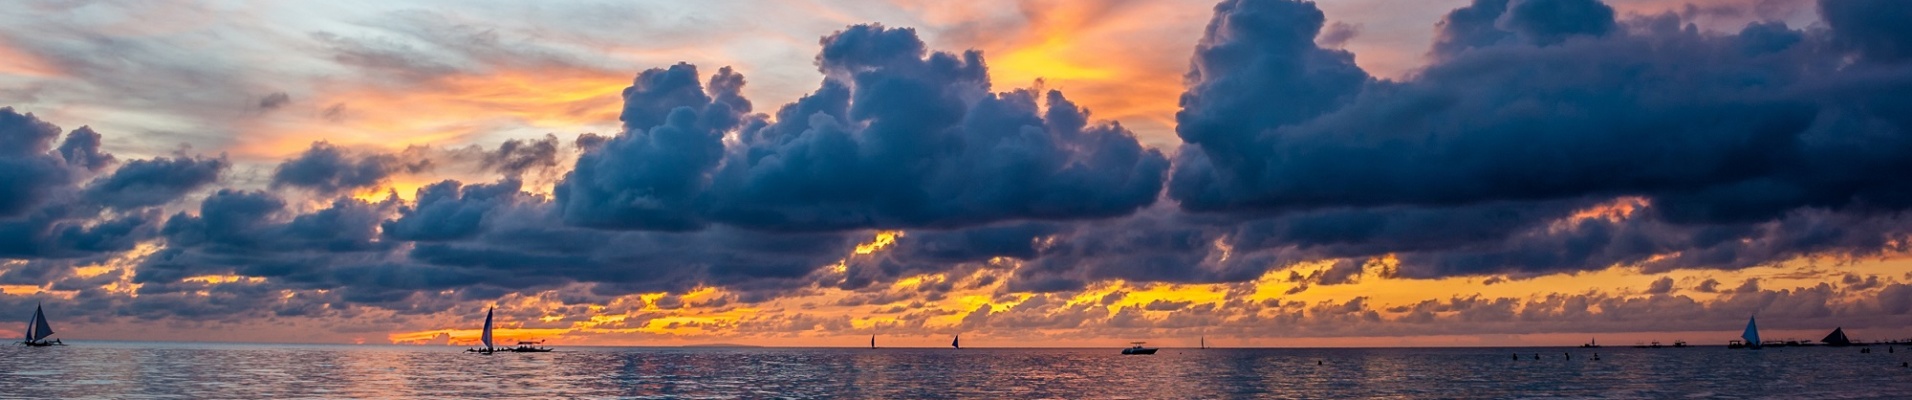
<point x="1747" y="147"/>
<point x="50" y="211"/>
<point x="1876" y="28"/>
<point x="155" y="181"/>
<point x="514" y="157"/>
<point x="450" y="210"/>
<point x="64" y="231"/>
<point x="1561" y="106"/>
<point x="82" y="148"/>
<point x="896" y="137"/>
<point x="475" y="239"/>
<point x="651" y="176"/>
<point x="328" y="170"/>
<point x="515" y="238"/>
<point x="29" y="171"/>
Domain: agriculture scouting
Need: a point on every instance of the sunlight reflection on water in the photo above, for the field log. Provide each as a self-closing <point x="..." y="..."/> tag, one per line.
<point x="171" y="370"/>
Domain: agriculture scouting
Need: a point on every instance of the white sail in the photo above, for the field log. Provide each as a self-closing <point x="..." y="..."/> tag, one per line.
<point x="1752" y="333"/>
<point x="486" y="337"/>
<point x="37" y="329"/>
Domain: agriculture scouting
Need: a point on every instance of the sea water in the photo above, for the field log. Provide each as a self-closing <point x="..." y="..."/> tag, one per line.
<point x="253" y="371"/>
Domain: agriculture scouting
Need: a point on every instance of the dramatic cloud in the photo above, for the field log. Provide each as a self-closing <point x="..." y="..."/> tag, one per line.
<point x="52" y="206"/>
<point x="896" y="137"/>
<point x="1675" y="171"/>
<point x="154" y="182"/>
<point x="1728" y="138"/>
<point x="328" y="170"/>
<point x="29" y="171"/>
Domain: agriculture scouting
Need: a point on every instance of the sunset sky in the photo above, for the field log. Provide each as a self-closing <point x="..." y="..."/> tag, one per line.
<point x="1022" y="173"/>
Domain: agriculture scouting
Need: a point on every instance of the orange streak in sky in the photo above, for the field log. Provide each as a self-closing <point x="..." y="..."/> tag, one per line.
<point x="453" y="110"/>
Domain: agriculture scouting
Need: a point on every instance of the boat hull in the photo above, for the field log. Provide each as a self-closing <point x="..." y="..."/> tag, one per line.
<point x="1138" y="352"/>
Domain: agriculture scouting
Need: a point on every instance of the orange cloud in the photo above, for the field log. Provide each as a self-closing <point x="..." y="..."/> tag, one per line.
<point x="1124" y="60"/>
<point x="14" y="61"/>
<point x="452" y="110"/>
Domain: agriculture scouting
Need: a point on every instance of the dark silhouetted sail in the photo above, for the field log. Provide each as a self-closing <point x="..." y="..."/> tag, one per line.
<point x="957" y="343"/>
<point x="37" y="328"/>
<point x="486" y="337"/>
<point x="1837" y="338"/>
<point x="1752" y="333"/>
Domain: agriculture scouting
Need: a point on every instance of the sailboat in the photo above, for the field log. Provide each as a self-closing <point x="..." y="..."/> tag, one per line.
<point x="1837" y="338"/>
<point x="957" y="343"/>
<point x="872" y="341"/>
<point x="1204" y="342"/>
<point x="1751" y="335"/>
<point x="38" y="330"/>
<point x="485" y="337"/>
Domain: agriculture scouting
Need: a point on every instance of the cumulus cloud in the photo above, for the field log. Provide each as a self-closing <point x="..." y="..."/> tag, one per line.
<point x="1541" y="106"/>
<point x="29" y="172"/>
<point x="155" y="181"/>
<point x="327" y="169"/>
<point x="896" y="137"/>
<point x="1596" y="110"/>
<point x="54" y="206"/>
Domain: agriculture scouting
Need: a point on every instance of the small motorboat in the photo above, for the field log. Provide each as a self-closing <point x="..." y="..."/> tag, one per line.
<point x="526" y="346"/>
<point x="1137" y="349"/>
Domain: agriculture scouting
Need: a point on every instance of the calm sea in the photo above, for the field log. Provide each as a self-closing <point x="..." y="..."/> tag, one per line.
<point x="198" y="371"/>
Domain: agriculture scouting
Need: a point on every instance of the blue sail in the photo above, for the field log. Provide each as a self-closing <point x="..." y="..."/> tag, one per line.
<point x="486" y="337"/>
<point x="38" y="329"/>
<point x="1752" y="333"/>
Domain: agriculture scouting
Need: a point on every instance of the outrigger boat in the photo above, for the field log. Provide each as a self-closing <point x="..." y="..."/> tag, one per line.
<point x="525" y="346"/>
<point x="1751" y="336"/>
<point x="38" y="330"/>
<point x="485" y="337"/>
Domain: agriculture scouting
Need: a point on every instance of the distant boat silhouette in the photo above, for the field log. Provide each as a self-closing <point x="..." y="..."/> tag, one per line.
<point x="1837" y="338"/>
<point x="1137" y="349"/>
<point x="38" y="330"/>
<point x="1204" y="343"/>
<point x="957" y="343"/>
<point x="1591" y="344"/>
<point x="1751" y="336"/>
<point x="872" y="341"/>
<point x="526" y="346"/>
<point x="485" y="337"/>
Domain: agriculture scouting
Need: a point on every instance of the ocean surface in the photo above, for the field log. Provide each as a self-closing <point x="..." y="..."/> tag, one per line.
<point x="123" y="370"/>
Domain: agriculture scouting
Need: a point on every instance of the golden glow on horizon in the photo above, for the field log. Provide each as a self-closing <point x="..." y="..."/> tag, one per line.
<point x="918" y="325"/>
<point x="222" y="279"/>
